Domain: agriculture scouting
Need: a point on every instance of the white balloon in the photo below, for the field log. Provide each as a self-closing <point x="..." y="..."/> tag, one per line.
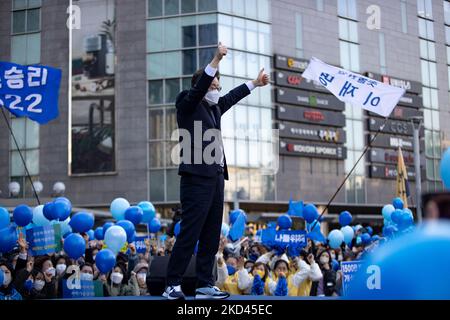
<point x="115" y="238"/>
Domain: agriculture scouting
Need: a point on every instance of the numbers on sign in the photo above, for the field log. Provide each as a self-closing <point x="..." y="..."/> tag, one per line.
<point x="37" y="99"/>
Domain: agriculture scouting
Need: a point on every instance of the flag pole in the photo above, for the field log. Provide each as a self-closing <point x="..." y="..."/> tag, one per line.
<point x="351" y="171"/>
<point x="21" y="156"/>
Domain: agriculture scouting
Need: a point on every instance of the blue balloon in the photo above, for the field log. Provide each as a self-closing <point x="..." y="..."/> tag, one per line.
<point x="22" y="215"/>
<point x="90" y="233"/>
<point x="4" y="218"/>
<point x="375" y="238"/>
<point x="61" y="208"/>
<point x="235" y="213"/>
<point x="176" y="229"/>
<point x="315" y="224"/>
<point x="48" y="211"/>
<point x="445" y="168"/>
<point x="369" y="230"/>
<point x="129" y="228"/>
<point x="82" y="222"/>
<point x="74" y="245"/>
<point x="284" y="222"/>
<point x="396" y="215"/>
<point x="134" y="214"/>
<point x="238" y="228"/>
<point x="154" y="225"/>
<point x="115" y="238"/>
<point x="148" y="210"/>
<point x="365" y="238"/>
<point x="65" y="227"/>
<point x="348" y="233"/>
<point x="406" y="221"/>
<point x="310" y="213"/>
<point x="389" y="231"/>
<point x="398" y="203"/>
<point x="98" y="233"/>
<point x="388" y="271"/>
<point x="335" y="265"/>
<point x="106" y="226"/>
<point x="38" y="217"/>
<point x="118" y="208"/>
<point x="8" y="239"/>
<point x="345" y="218"/>
<point x="387" y="211"/>
<point x="335" y="238"/>
<point x="105" y="260"/>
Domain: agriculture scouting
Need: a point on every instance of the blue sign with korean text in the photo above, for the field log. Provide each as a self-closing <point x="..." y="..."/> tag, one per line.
<point x="139" y="243"/>
<point x="73" y="289"/>
<point x="284" y="238"/>
<point x="349" y="270"/>
<point x="44" y="240"/>
<point x="30" y="91"/>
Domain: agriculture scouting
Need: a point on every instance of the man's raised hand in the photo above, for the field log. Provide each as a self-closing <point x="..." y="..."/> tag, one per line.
<point x="262" y="79"/>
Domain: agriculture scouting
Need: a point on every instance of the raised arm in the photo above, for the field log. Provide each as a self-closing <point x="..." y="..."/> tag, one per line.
<point x="187" y="102"/>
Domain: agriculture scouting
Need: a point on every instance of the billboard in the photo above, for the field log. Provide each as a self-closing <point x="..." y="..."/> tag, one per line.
<point x="390" y="156"/>
<point x="92" y="99"/>
<point x="410" y="86"/>
<point x="389" y="172"/>
<point x="311" y="132"/>
<point x="308" y="99"/>
<point x="311" y="116"/>
<point x="312" y="149"/>
<point x="291" y="64"/>
<point x="295" y="80"/>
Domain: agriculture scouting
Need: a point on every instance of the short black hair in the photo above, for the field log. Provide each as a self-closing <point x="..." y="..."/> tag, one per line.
<point x="197" y="75"/>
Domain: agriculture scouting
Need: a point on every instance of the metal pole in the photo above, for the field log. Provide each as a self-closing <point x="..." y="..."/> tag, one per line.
<point x="235" y="200"/>
<point x="416" y="122"/>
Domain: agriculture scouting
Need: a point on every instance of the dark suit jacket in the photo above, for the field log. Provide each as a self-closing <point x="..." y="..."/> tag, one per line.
<point x="192" y="107"/>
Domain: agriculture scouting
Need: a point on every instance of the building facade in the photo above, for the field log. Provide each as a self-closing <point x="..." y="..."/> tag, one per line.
<point x="117" y="138"/>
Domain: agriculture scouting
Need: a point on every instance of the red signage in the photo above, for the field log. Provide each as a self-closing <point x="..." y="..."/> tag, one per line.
<point x="294" y="80"/>
<point x="314" y="116"/>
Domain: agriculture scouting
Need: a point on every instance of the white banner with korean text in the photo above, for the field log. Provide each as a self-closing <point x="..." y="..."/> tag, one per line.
<point x="354" y="88"/>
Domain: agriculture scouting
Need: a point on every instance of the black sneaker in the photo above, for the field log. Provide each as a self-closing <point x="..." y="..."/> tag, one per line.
<point x="174" y="293"/>
<point x="210" y="292"/>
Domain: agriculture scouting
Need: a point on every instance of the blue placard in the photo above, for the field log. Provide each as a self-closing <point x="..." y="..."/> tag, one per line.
<point x="139" y="243"/>
<point x="349" y="269"/>
<point x="44" y="240"/>
<point x="284" y="238"/>
<point x="82" y="289"/>
<point x="30" y="91"/>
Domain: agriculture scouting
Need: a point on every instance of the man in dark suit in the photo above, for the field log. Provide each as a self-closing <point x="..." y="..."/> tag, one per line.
<point x="203" y="170"/>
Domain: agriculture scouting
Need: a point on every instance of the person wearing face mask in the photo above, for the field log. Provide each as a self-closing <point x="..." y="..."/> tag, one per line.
<point x="44" y="264"/>
<point x="141" y="271"/>
<point x="61" y="262"/>
<point x="117" y="283"/>
<point x="202" y="179"/>
<point x="229" y="274"/>
<point x="326" y="286"/>
<point x="7" y="289"/>
<point x="254" y="282"/>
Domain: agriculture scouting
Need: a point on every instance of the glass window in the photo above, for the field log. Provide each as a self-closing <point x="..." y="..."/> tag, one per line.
<point x="32" y="134"/>
<point x="18" y="18"/>
<point x="156" y="126"/>
<point x="155" y="8"/>
<point x="265" y="95"/>
<point x="19" y="4"/>
<point x="17" y="168"/>
<point x="430" y="169"/>
<point x="172" y="34"/>
<point x="155" y="35"/>
<point x="241" y="153"/>
<point x="404" y="16"/>
<point x="156" y="154"/>
<point x="226" y="65"/>
<point x="156" y="185"/>
<point x="172" y="63"/>
<point x="350" y="133"/>
<point x="207" y="34"/>
<point x="189" y="36"/>
<point x="238" y="7"/>
<point x="238" y="33"/>
<point x="32" y="161"/>
<point x="263" y="10"/>
<point x="224" y="6"/>
<point x="228" y="146"/>
<point x="171" y="7"/>
<point x="206" y="55"/>
<point x="448" y="55"/>
<point x="189" y="61"/>
<point x="345" y="55"/>
<point x="207" y="5"/>
<point x="251" y="9"/>
<point x="252" y="67"/>
<point x="239" y="63"/>
<point x="354" y="57"/>
<point x="155" y="92"/>
<point x="240" y="118"/>
<point x="264" y="39"/>
<point x="186" y="83"/>
<point x="433" y="74"/>
<point x="254" y="124"/>
<point x="155" y="65"/>
<point x="173" y="185"/>
<point x="447" y="12"/>
<point x="358" y="135"/>
<point x="425" y="8"/>
<point x="447" y="35"/>
<point x="426" y="97"/>
<point x="427" y="121"/>
<point x="26" y="49"/>
<point x="428" y="143"/>
<point x="437" y="144"/>
<point x="252" y="36"/>
<point x="187" y="6"/>
<point x="225" y="30"/>
<point x="171" y="121"/>
<point x="255" y="155"/>
<point x="172" y="90"/>
<point x="435" y="116"/>
<point x="18" y="128"/>
<point x="33" y="20"/>
<point x="34" y="3"/>
<point x="434" y="98"/>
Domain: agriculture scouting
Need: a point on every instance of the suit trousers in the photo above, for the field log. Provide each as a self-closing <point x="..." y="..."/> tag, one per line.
<point x="201" y="220"/>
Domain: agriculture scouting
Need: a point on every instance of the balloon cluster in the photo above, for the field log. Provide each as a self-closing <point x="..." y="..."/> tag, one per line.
<point x="397" y="219"/>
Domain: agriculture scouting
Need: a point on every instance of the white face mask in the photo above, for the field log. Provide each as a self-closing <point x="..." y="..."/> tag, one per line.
<point x="116" y="277"/>
<point x="212" y="97"/>
<point x="51" y="271"/>
<point x="86" y="276"/>
<point x="38" y="285"/>
<point x="6" y="279"/>
<point x="60" y="268"/>
<point x="324" y="260"/>
<point x="142" y="276"/>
